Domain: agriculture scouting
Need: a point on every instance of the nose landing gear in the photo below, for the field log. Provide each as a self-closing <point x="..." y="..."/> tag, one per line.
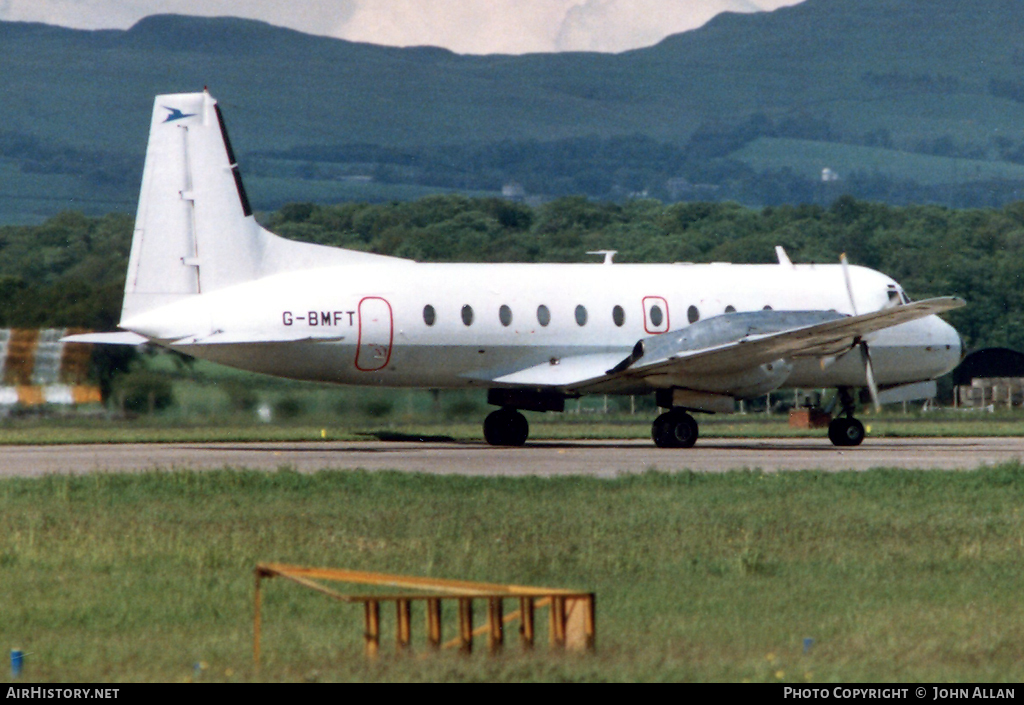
<point x="846" y="430"/>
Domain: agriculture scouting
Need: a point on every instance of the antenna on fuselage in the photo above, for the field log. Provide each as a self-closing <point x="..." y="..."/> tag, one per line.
<point x="608" y="254"/>
<point x="784" y="260"/>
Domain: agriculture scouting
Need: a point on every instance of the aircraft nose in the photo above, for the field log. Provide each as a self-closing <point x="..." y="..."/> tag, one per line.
<point x="946" y="341"/>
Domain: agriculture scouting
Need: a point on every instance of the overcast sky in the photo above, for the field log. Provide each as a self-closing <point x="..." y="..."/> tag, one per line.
<point x="464" y="26"/>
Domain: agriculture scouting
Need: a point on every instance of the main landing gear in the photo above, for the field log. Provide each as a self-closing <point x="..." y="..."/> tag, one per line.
<point x="674" y="429"/>
<point x="506" y="427"/>
<point x="846" y="430"/>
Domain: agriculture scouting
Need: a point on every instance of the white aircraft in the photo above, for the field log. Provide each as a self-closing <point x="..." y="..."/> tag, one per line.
<point x="206" y="280"/>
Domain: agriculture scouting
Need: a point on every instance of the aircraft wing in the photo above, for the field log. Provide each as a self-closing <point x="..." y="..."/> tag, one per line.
<point x="821" y="339"/>
<point x="563" y="373"/>
<point x="118" y="338"/>
<point x="724" y="344"/>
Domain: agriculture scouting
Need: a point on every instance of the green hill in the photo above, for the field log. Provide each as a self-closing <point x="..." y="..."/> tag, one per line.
<point x="941" y="77"/>
<point x="914" y="68"/>
<point x="809" y="158"/>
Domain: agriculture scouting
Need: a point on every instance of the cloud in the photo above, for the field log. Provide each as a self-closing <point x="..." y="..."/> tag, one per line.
<point x="521" y="26"/>
<point x="618" y="25"/>
<point x="464" y="26"/>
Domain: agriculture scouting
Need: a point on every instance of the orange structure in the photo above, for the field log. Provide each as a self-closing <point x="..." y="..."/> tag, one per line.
<point x="571" y="623"/>
<point x="807" y="417"/>
<point x="37" y="368"/>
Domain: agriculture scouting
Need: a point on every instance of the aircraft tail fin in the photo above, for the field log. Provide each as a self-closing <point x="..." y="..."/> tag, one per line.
<point x="194" y="230"/>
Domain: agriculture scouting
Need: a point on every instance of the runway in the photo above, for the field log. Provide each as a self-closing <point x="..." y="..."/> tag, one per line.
<point x="543" y="458"/>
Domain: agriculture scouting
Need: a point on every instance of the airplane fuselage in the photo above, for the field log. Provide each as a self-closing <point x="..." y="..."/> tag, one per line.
<point x="206" y="279"/>
<point x="413" y="324"/>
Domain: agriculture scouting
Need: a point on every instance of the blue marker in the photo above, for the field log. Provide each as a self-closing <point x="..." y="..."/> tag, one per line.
<point x="17" y="658"/>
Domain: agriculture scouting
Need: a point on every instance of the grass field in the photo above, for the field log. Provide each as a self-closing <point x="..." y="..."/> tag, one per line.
<point x="896" y="575"/>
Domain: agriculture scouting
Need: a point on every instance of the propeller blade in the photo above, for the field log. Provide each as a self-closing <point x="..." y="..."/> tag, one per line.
<point x="869" y="373"/>
<point x="865" y="354"/>
<point x="849" y="284"/>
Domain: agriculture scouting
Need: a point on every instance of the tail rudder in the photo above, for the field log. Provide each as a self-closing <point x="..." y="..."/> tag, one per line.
<point x="194" y="230"/>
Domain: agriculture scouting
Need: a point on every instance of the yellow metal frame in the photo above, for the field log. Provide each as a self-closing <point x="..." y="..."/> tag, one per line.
<point x="572" y="618"/>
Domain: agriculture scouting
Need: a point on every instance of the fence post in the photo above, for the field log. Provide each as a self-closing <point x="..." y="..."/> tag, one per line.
<point x="580" y="623"/>
<point x="372" y="636"/>
<point x="434" y="623"/>
<point x="526" y="625"/>
<point x="557" y="622"/>
<point x="466" y="625"/>
<point x="496" y="627"/>
<point x="403" y="626"/>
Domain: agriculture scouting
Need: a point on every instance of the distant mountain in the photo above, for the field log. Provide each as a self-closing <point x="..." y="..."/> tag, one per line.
<point x="936" y="76"/>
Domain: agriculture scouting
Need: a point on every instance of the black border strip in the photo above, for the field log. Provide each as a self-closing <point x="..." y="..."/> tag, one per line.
<point x="242" y="196"/>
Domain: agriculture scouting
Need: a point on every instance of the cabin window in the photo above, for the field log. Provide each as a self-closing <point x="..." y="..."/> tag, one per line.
<point x="657" y="317"/>
<point x="730" y="309"/>
<point x="543" y="315"/>
<point x="618" y="316"/>
<point x="467" y="315"/>
<point x="692" y="314"/>
<point x="581" y="315"/>
<point x="429" y="315"/>
<point x="505" y="316"/>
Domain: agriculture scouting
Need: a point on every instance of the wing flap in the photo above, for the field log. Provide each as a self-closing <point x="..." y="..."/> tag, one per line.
<point x="564" y="372"/>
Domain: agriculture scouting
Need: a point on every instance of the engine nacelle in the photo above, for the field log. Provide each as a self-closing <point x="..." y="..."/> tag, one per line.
<point x="741" y="385"/>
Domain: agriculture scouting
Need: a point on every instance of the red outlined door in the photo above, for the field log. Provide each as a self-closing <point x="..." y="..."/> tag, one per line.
<point x="376" y="334"/>
<point x="655" y="315"/>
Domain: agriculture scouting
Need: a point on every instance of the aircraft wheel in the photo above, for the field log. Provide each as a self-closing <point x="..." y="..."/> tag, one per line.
<point x="506" y="427"/>
<point x="846" y="431"/>
<point x="674" y="429"/>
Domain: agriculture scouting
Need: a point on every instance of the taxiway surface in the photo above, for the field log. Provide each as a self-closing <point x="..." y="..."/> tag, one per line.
<point x="543" y="458"/>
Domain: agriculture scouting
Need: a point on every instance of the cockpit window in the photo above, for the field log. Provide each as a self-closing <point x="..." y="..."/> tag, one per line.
<point x="897" y="296"/>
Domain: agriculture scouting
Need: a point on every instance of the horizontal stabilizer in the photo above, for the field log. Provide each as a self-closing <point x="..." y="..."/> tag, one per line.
<point x="243" y="338"/>
<point x="119" y="338"/>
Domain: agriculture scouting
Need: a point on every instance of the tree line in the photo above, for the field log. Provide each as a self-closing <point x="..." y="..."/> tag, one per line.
<point x="624" y="166"/>
<point x="69" y="271"/>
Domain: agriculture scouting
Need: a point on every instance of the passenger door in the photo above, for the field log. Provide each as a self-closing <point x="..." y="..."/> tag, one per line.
<point x="376" y="334"/>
